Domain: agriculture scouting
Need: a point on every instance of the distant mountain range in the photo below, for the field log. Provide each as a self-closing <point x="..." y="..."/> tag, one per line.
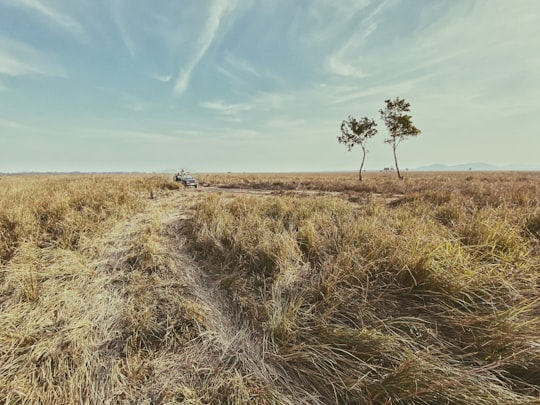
<point x="477" y="166"/>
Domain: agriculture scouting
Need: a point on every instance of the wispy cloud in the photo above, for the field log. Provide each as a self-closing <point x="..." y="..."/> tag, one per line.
<point x="346" y="9"/>
<point x="162" y="78"/>
<point x="217" y="12"/>
<point x="343" y="95"/>
<point x="18" y="59"/>
<point x="234" y="77"/>
<point x="338" y="66"/>
<point x="118" y="18"/>
<point x="224" y="108"/>
<point x="327" y="20"/>
<point x="182" y="82"/>
<point x="48" y="14"/>
<point x="12" y="65"/>
<point x="466" y="50"/>
<point x="14" y="125"/>
<point x="243" y="71"/>
<point x="260" y="102"/>
<point x="241" y="64"/>
<point x="347" y="60"/>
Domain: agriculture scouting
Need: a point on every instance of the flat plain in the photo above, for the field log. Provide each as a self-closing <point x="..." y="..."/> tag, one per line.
<point x="284" y="288"/>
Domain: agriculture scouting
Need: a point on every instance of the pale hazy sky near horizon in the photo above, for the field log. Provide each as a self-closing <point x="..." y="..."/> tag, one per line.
<point x="246" y="85"/>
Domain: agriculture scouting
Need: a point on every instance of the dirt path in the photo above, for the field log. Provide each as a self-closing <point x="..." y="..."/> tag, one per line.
<point x="241" y="352"/>
<point x="181" y="337"/>
<point x="174" y="335"/>
<point x="387" y="199"/>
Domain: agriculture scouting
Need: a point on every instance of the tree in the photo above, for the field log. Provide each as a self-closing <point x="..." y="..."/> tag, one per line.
<point x="399" y="125"/>
<point x="355" y="132"/>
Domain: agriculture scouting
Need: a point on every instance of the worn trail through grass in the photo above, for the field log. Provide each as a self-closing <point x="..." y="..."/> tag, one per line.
<point x="187" y="340"/>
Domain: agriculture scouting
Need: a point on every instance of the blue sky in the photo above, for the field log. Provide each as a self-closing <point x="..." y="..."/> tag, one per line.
<point x="246" y="85"/>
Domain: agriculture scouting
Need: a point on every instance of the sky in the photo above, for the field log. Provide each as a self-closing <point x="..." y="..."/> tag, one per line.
<point x="263" y="85"/>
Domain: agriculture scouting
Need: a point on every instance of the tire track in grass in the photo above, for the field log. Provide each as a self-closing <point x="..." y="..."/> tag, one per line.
<point x="228" y="344"/>
<point x="178" y="338"/>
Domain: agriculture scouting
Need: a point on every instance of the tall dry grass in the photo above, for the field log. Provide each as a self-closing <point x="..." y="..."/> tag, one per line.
<point x="60" y="319"/>
<point x="417" y="292"/>
<point x="432" y="298"/>
<point x="122" y="315"/>
<point x="485" y="186"/>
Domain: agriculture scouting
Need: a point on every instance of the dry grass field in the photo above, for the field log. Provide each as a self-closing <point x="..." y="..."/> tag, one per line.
<point x="270" y="289"/>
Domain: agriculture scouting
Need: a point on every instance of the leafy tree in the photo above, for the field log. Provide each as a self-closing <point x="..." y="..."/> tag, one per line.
<point x="355" y="132"/>
<point x="399" y="125"/>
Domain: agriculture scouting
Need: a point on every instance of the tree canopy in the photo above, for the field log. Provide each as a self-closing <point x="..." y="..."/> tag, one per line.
<point x="357" y="132"/>
<point x="399" y="124"/>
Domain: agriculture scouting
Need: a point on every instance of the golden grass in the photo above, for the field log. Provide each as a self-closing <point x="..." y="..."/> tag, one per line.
<point x="59" y="317"/>
<point x="423" y="291"/>
<point x="429" y="298"/>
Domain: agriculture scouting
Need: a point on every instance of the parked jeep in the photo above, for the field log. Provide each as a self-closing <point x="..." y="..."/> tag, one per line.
<point x="186" y="179"/>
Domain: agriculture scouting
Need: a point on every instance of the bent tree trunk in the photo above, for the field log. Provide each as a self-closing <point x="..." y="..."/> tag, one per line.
<point x="395" y="160"/>
<point x="362" y="164"/>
